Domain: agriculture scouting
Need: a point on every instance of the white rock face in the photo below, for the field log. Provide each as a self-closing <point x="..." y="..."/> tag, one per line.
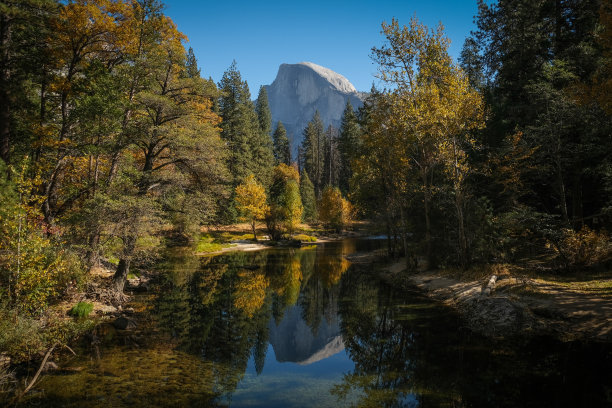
<point x="301" y="89"/>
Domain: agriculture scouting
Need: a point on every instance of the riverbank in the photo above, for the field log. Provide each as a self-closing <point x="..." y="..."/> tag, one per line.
<point x="239" y="237"/>
<point x="503" y="301"/>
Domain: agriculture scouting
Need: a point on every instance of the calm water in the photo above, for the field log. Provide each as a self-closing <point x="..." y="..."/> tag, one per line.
<point x="305" y="328"/>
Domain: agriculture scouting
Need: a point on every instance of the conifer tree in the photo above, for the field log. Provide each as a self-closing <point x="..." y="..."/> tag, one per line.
<point x="261" y="142"/>
<point x="239" y="124"/>
<point x="282" y="150"/>
<point x="309" y="201"/>
<point x="313" y="148"/>
<point x="192" y="65"/>
<point x="262" y="108"/>
<point x="348" y="142"/>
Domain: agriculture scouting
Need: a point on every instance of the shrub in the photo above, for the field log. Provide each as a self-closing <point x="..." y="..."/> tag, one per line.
<point x="81" y="309"/>
<point x="585" y="247"/>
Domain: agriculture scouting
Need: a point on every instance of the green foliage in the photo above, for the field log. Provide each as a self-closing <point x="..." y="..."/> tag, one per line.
<point x="292" y="206"/>
<point x="305" y="238"/>
<point x="262" y="108"/>
<point x="309" y="200"/>
<point x="249" y="145"/>
<point x="34" y="268"/>
<point x="285" y="209"/>
<point x="282" y="150"/>
<point x="313" y="148"/>
<point x="348" y="145"/>
<point x="81" y="310"/>
<point x="20" y="336"/>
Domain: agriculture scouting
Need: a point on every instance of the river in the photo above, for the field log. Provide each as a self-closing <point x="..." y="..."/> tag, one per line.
<point x="306" y="328"/>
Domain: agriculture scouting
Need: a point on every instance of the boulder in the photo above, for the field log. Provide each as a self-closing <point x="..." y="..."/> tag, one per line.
<point x="123" y="323"/>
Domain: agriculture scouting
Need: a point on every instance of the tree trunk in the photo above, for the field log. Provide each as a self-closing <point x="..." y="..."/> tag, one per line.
<point x="426" y="203"/>
<point x="254" y="233"/>
<point x="121" y="275"/>
<point x="92" y="248"/>
<point x="462" y="238"/>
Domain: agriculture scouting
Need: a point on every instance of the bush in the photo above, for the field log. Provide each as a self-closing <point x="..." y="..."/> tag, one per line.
<point x="81" y="309"/>
<point x="20" y="337"/>
<point x="585" y="247"/>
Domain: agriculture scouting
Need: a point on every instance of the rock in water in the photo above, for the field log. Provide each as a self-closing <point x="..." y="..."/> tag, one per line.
<point x="301" y="89"/>
<point x="123" y="323"/>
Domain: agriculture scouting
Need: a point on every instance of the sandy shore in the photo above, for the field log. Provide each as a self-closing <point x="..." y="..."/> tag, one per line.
<point x="517" y="307"/>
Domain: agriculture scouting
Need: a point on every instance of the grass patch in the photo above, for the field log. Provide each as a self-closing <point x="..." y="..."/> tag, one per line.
<point x="81" y="309"/>
<point x="210" y="243"/>
<point x="305" y="238"/>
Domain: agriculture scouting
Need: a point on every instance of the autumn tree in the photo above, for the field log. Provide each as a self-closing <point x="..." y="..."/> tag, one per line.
<point x="334" y="210"/>
<point x="425" y="120"/>
<point x="251" y="202"/>
<point x="285" y="202"/>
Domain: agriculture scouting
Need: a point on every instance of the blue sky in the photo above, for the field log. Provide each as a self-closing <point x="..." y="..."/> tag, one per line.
<point x="261" y="35"/>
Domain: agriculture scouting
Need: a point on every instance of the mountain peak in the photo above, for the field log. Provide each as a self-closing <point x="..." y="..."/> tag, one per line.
<point x="299" y="90"/>
<point x="338" y="81"/>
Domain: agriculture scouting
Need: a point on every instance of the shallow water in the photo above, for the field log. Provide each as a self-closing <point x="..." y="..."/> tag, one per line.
<point x="305" y="328"/>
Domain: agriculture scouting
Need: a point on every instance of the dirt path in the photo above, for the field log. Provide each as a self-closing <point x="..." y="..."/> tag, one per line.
<point x="520" y="306"/>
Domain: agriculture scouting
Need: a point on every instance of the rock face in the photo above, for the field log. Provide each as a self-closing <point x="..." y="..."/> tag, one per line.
<point x="301" y="89"/>
<point x="292" y="340"/>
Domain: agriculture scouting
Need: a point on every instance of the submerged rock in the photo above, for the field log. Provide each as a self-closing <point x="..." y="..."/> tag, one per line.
<point x="123" y="323"/>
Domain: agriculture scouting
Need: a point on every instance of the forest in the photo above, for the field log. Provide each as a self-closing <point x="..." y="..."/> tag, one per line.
<point x="115" y="145"/>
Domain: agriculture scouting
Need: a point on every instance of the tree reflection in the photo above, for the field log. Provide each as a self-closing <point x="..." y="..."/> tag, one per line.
<point x="220" y="307"/>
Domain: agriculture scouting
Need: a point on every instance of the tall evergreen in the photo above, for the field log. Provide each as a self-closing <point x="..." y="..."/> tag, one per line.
<point x="313" y="147"/>
<point x="262" y="108"/>
<point x="261" y="142"/>
<point x="191" y="64"/>
<point x="533" y="53"/>
<point x="239" y="125"/>
<point x="348" y="144"/>
<point x="282" y="150"/>
<point x="309" y="201"/>
<point x="471" y="62"/>
<point x="331" y="169"/>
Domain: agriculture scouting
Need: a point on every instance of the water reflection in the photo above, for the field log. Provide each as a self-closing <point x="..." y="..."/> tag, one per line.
<point x="302" y="327"/>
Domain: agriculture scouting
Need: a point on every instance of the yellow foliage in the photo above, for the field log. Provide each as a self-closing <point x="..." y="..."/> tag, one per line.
<point x="250" y="292"/>
<point x="334" y="210"/>
<point x="285" y="173"/>
<point x="251" y="200"/>
<point x="585" y="247"/>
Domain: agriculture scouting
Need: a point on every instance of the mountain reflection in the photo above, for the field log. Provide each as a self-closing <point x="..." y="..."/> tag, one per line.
<point x="315" y="314"/>
<point x="227" y="308"/>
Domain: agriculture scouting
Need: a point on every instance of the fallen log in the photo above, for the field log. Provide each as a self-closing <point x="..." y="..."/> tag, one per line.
<point x="486" y="291"/>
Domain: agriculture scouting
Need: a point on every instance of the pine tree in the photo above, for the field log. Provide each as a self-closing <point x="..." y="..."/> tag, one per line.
<point x="262" y="108"/>
<point x="261" y="142"/>
<point x="313" y="148"/>
<point x="309" y="201"/>
<point x="192" y="65"/>
<point x="239" y="124"/>
<point x="348" y="145"/>
<point x="332" y="157"/>
<point x="282" y="150"/>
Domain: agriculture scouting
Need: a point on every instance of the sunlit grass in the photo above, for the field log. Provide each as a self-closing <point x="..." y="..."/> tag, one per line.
<point x="209" y="243"/>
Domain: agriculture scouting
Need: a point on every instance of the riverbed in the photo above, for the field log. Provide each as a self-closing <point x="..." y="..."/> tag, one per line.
<point x="306" y="328"/>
